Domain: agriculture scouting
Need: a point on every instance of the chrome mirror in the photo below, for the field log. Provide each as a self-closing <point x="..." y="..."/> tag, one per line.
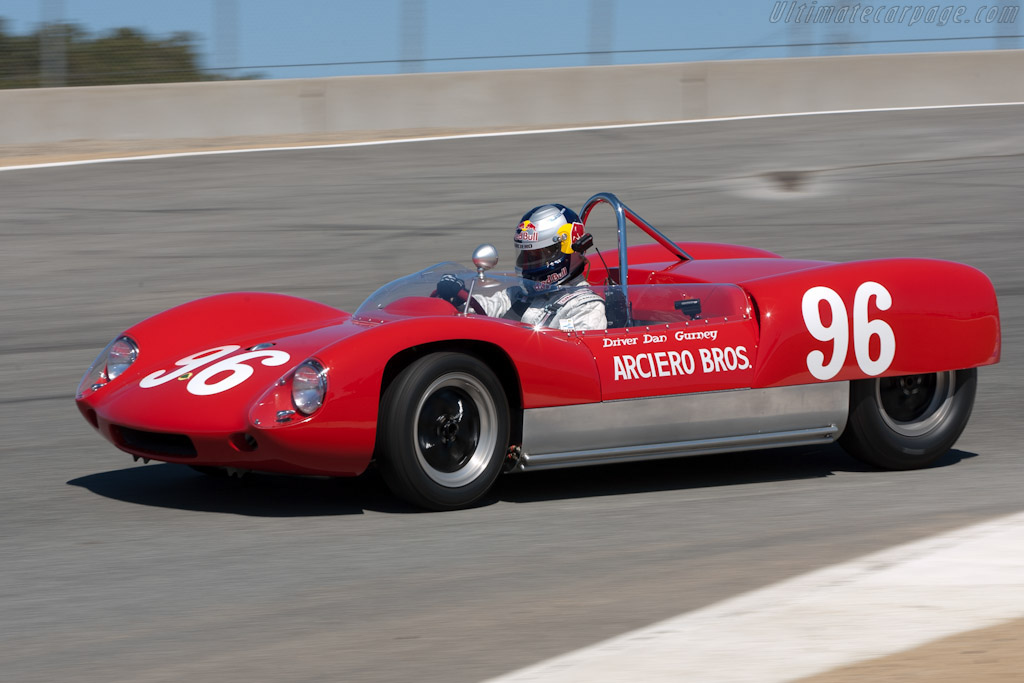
<point x="485" y="257"/>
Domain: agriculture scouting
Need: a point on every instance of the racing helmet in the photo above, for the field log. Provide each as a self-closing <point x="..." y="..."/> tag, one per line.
<point x="544" y="239"/>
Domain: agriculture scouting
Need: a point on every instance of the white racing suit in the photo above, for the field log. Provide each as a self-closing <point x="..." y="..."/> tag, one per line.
<point x="560" y="308"/>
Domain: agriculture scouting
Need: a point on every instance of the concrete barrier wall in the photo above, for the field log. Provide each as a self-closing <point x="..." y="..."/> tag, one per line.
<point x="529" y="97"/>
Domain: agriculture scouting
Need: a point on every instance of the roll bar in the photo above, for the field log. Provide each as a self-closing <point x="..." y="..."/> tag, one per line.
<point x="623" y="212"/>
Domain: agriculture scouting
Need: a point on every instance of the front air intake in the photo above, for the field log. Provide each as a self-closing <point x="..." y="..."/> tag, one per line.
<point x="154" y="443"/>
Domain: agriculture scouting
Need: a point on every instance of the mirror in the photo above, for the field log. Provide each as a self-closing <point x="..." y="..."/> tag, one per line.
<point x="485" y="257"/>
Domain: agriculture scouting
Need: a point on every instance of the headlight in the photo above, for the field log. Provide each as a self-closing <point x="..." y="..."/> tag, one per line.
<point x="309" y="386"/>
<point x="122" y="353"/>
<point x="112" y="361"/>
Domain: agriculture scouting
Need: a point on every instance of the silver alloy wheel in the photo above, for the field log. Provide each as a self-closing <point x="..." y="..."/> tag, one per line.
<point x="455" y="429"/>
<point x="913" y="405"/>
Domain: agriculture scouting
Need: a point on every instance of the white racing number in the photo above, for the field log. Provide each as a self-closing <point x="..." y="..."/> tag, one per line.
<point x="838" y="332"/>
<point x="187" y="365"/>
<point x="864" y="329"/>
<point x="231" y="371"/>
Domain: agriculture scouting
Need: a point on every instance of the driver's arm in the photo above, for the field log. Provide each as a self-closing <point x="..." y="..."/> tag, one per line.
<point x="494" y="305"/>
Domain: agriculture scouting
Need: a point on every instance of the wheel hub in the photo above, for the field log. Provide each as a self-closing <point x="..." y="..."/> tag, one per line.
<point x="915" y="404"/>
<point x="447" y="428"/>
<point x="454" y="429"/>
<point x="911" y="385"/>
<point x="907" y="398"/>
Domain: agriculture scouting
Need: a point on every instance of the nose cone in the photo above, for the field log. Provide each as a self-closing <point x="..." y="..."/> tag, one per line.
<point x="184" y="406"/>
<point x="206" y="390"/>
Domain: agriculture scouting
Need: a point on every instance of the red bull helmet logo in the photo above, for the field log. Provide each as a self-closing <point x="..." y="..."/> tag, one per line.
<point x="555" y="277"/>
<point x="526" y="232"/>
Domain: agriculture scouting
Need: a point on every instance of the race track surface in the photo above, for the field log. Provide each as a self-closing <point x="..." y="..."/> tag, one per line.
<point x="112" y="571"/>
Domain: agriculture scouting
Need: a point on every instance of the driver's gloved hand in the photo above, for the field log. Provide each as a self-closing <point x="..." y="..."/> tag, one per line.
<point x="449" y="287"/>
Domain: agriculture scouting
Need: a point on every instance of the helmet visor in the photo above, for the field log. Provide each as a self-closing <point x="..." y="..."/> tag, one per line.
<point x="536" y="259"/>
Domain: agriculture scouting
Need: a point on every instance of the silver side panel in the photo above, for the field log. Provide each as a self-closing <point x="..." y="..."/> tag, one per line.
<point x="689" y="424"/>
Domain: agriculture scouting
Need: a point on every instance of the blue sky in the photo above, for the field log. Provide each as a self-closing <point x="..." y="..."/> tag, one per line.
<point x="267" y="35"/>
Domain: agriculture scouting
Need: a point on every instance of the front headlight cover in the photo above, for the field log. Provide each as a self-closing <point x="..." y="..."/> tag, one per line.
<point x="121" y="353"/>
<point x="309" y="386"/>
<point x="113" y="360"/>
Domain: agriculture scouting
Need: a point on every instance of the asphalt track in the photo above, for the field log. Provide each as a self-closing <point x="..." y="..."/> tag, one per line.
<point x="111" y="571"/>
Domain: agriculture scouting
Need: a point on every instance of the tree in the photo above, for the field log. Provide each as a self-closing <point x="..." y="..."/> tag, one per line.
<point x="121" y="56"/>
<point x="19" y="59"/>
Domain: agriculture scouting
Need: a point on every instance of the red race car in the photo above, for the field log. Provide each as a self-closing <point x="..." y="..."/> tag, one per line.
<point x="708" y="348"/>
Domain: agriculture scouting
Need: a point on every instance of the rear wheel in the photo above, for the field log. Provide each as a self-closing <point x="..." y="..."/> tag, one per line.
<point x="904" y="423"/>
<point x="443" y="431"/>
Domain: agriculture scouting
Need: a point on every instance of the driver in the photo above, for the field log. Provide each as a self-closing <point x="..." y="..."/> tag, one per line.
<point x="544" y="242"/>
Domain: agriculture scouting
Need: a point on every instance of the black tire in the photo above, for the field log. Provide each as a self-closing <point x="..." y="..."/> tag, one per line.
<point x="908" y="422"/>
<point x="443" y="431"/>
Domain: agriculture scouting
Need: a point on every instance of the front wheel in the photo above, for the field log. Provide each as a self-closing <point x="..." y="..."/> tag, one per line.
<point x="443" y="431"/>
<point x="905" y="423"/>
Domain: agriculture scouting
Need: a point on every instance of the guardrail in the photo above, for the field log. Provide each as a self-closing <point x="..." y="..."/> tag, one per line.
<point x="509" y="99"/>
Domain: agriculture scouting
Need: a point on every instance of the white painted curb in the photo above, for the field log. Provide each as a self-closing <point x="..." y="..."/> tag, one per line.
<point x="874" y="606"/>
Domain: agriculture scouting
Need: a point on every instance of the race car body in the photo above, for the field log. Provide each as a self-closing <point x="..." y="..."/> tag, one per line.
<point x="708" y="348"/>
